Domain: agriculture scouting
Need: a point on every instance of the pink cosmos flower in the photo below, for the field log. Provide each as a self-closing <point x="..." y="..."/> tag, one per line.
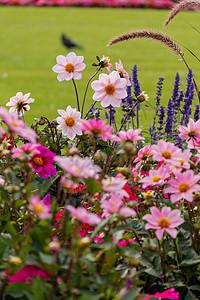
<point x="168" y="294"/>
<point x="69" y="121"/>
<point x="130" y="135"/>
<point x="98" y="128"/>
<point x="191" y="132"/>
<point x="109" y="89"/>
<point x="183" y="186"/>
<point x="113" y="184"/>
<point x="82" y="215"/>
<point x="28" y="150"/>
<point x="42" y="162"/>
<point x="69" y="67"/>
<point x="67" y="183"/>
<point x="20" y="103"/>
<point x="27" y="273"/>
<point x="167" y="152"/>
<point x="164" y="220"/>
<point x="156" y="177"/>
<point x="122" y="73"/>
<point x="40" y="208"/>
<point x="143" y="155"/>
<point x="184" y="160"/>
<point x="78" y="167"/>
<point x="17" y="126"/>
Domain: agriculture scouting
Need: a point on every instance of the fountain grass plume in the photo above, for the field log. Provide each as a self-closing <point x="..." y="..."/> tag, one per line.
<point x="149" y="34"/>
<point x="182" y="6"/>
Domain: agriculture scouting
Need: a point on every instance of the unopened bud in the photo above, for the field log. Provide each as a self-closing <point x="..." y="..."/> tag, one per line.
<point x="124" y="171"/>
<point x="73" y="151"/>
<point x="130" y="149"/>
<point x="134" y="262"/>
<point x="15" y="261"/>
<point x="54" y="247"/>
<point x="84" y="242"/>
<point x="142" y="97"/>
<point x="197" y="196"/>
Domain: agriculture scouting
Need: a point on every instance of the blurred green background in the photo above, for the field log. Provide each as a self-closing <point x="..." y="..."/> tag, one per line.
<point x="30" y="42"/>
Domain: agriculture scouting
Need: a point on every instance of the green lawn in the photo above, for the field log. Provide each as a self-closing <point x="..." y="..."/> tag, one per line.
<point x="30" y="42"/>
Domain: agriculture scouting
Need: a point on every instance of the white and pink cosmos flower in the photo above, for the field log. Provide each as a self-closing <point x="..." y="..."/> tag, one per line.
<point x="40" y="207"/>
<point x="143" y="155"/>
<point x="131" y="135"/>
<point x="122" y="73"/>
<point x="20" y="103"/>
<point x="69" y="67"/>
<point x="17" y="126"/>
<point x="167" y="152"/>
<point x="109" y="89"/>
<point x="184" y="162"/>
<point x="98" y="128"/>
<point x="156" y="177"/>
<point x="78" y="167"/>
<point x="83" y="215"/>
<point x="113" y="184"/>
<point x="191" y="132"/>
<point x="164" y="220"/>
<point x="183" y="186"/>
<point x="69" y="122"/>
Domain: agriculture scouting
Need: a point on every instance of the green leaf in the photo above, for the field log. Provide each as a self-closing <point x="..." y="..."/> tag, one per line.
<point x="190" y="296"/>
<point x="93" y="186"/>
<point x="131" y="295"/>
<point x="194" y="288"/>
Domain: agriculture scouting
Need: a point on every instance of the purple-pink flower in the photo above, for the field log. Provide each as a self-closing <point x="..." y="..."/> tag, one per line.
<point x="109" y="89"/>
<point x="183" y="186"/>
<point x="83" y="215"/>
<point x="156" y="177"/>
<point x="143" y="155"/>
<point x="27" y="273"/>
<point x="164" y="220"/>
<point x="27" y="150"/>
<point x="69" y="67"/>
<point x="168" y="294"/>
<point x="190" y="133"/>
<point x="98" y="128"/>
<point x="131" y="135"/>
<point x="42" y="162"/>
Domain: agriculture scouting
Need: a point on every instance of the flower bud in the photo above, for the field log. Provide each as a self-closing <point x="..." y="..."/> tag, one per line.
<point x="54" y="247"/>
<point x="142" y="97"/>
<point x="124" y="171"/>
<point x="134" y="262"/>
<point x="197" y="196"/>
<point x="73" y="151"/>
<point x="15" y="261"/>
<point x="84" y="242"/>
<point x="130" y="149"/>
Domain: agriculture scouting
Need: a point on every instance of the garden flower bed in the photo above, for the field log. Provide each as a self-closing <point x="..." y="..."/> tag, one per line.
<point x="92" y="211"/>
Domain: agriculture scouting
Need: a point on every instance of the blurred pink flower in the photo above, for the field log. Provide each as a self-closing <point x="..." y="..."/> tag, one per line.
<point x="28" y="150"/>
<point x="122" y="73"/>
<point x="113" y="184"/>
<point x="69" y="122"/>
<point x="109" y="89"/>
<point x="143" y="155"/>
<point x="82" y="215"/>
<point x="98" y="128"/>
<point x="167" y="152"/>
<point x="20" y="103"/>
<point x="164" y="220"/>
<point x="156" y="177"/>
<point x="69" y="67"/>
<point x="191" y="132"/>
<point x="131" y="135"/>
<point x="183" y="186"/>
<point x="42" y="162"/>
<point x="184" y="160"/>
<point x="168" y="294"/>
<point x="40" y="208"/>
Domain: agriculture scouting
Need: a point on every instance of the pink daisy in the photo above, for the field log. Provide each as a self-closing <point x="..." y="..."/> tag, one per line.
<point x="42" y="162"/>
<point x="122" y="73"/>
<point x="69" y="122"/>
<point x="130" y="135"/>
<point x="98" y="128"/>
<point x="156" y="177"/>
<point x="69" y="67"/>
<point x="40" y="208"/>
<point x="183" y="186"/>
<point x="164" y="220"/>
<point x="109" y="89"/>
<point x="191" y="132"/>
<point x="20" y="103"/>
<point x="28" y="150"/>
<point x="83" y="215"/>
<point x="113" y="184"/>
<point x="143" y="155"/>
<point x="184" y="162"/>
<point x="167" y="152"/>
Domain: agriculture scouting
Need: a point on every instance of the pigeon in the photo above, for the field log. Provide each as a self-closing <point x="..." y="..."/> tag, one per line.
<point x="69" y="43"/>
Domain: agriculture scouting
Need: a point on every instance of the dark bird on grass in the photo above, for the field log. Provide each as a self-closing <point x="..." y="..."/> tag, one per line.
<point x="69" y="43"/>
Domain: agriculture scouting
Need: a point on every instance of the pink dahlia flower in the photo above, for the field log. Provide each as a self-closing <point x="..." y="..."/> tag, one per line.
<point x="143" y="155"/>
<point x="17" y="126"/>
<point x="98" y="128"/>
<point x="191" y="132"/>
<point x="168" y="294"/>
<point x="183" y="186"/>
<point x="156" y="177"/>
<point x="109" y="89"/>
<point x="113" y="184"/>
<point x="83" y="215"/>
<point x="184" y="162"/>
<point x="164" y="220"/>
<point x="20" y="103"/>
<point x="42" y="162"/>
<point x="28" y="150"/>
<point x="41" y="208"/>
<point x="69" y="67"/>
<point x="129" y="135"/>
<point x="122" y="73"/>
<point x="167" y="152"/>
<point x="27" y="273"/>
<point x="69" y="122"/>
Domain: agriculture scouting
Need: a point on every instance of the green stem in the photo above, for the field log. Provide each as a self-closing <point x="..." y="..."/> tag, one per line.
<point x="77" y="99"/>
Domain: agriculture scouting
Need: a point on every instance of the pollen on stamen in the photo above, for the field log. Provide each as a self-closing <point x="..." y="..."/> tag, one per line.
<point x="70" y="121"/>
<point x="109" y="89"/>
<point x="69" y="68"/>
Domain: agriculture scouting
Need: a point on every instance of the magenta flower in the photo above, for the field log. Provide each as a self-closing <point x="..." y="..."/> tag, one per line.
<point x="20" y="103"/>
<point x="42" y="163"/>
<point x="156" y="177"/>
<point x="69" y="122"/>
<point x="27" y="273"/>
<point x="82" y="215"/>
<point x="130" y="135"/>
<point x="109" y="89"/>
<point x="28" y="150"/>
<point x="167" y="152"/>
<point x="168" y="294"/>
<point x="183" y="186"/>
<point x="41" y="208"/>
<point x="98" y="128"/>
<point x="122" y="73"/>
<point x="191" y="132"/>
<point x="164" y="220"/>
<point x="69" y="67"/>
<point x="17" y="126"/>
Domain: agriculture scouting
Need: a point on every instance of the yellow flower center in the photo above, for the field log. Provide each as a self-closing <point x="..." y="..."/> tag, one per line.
<point x="166" y="154"/>
<point x="38" y="208"/>
<point x="15" y="124"/>
<point x="163" y="222"/>
<point x="69" y="68"/>
<point x="109" y="89"/>
<point x="183" y="187"/>
<point x="181" y="161"/>
<point x="70" y="121"/>
<point x="155" y="178"/>
<point x="38" y="160"/>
